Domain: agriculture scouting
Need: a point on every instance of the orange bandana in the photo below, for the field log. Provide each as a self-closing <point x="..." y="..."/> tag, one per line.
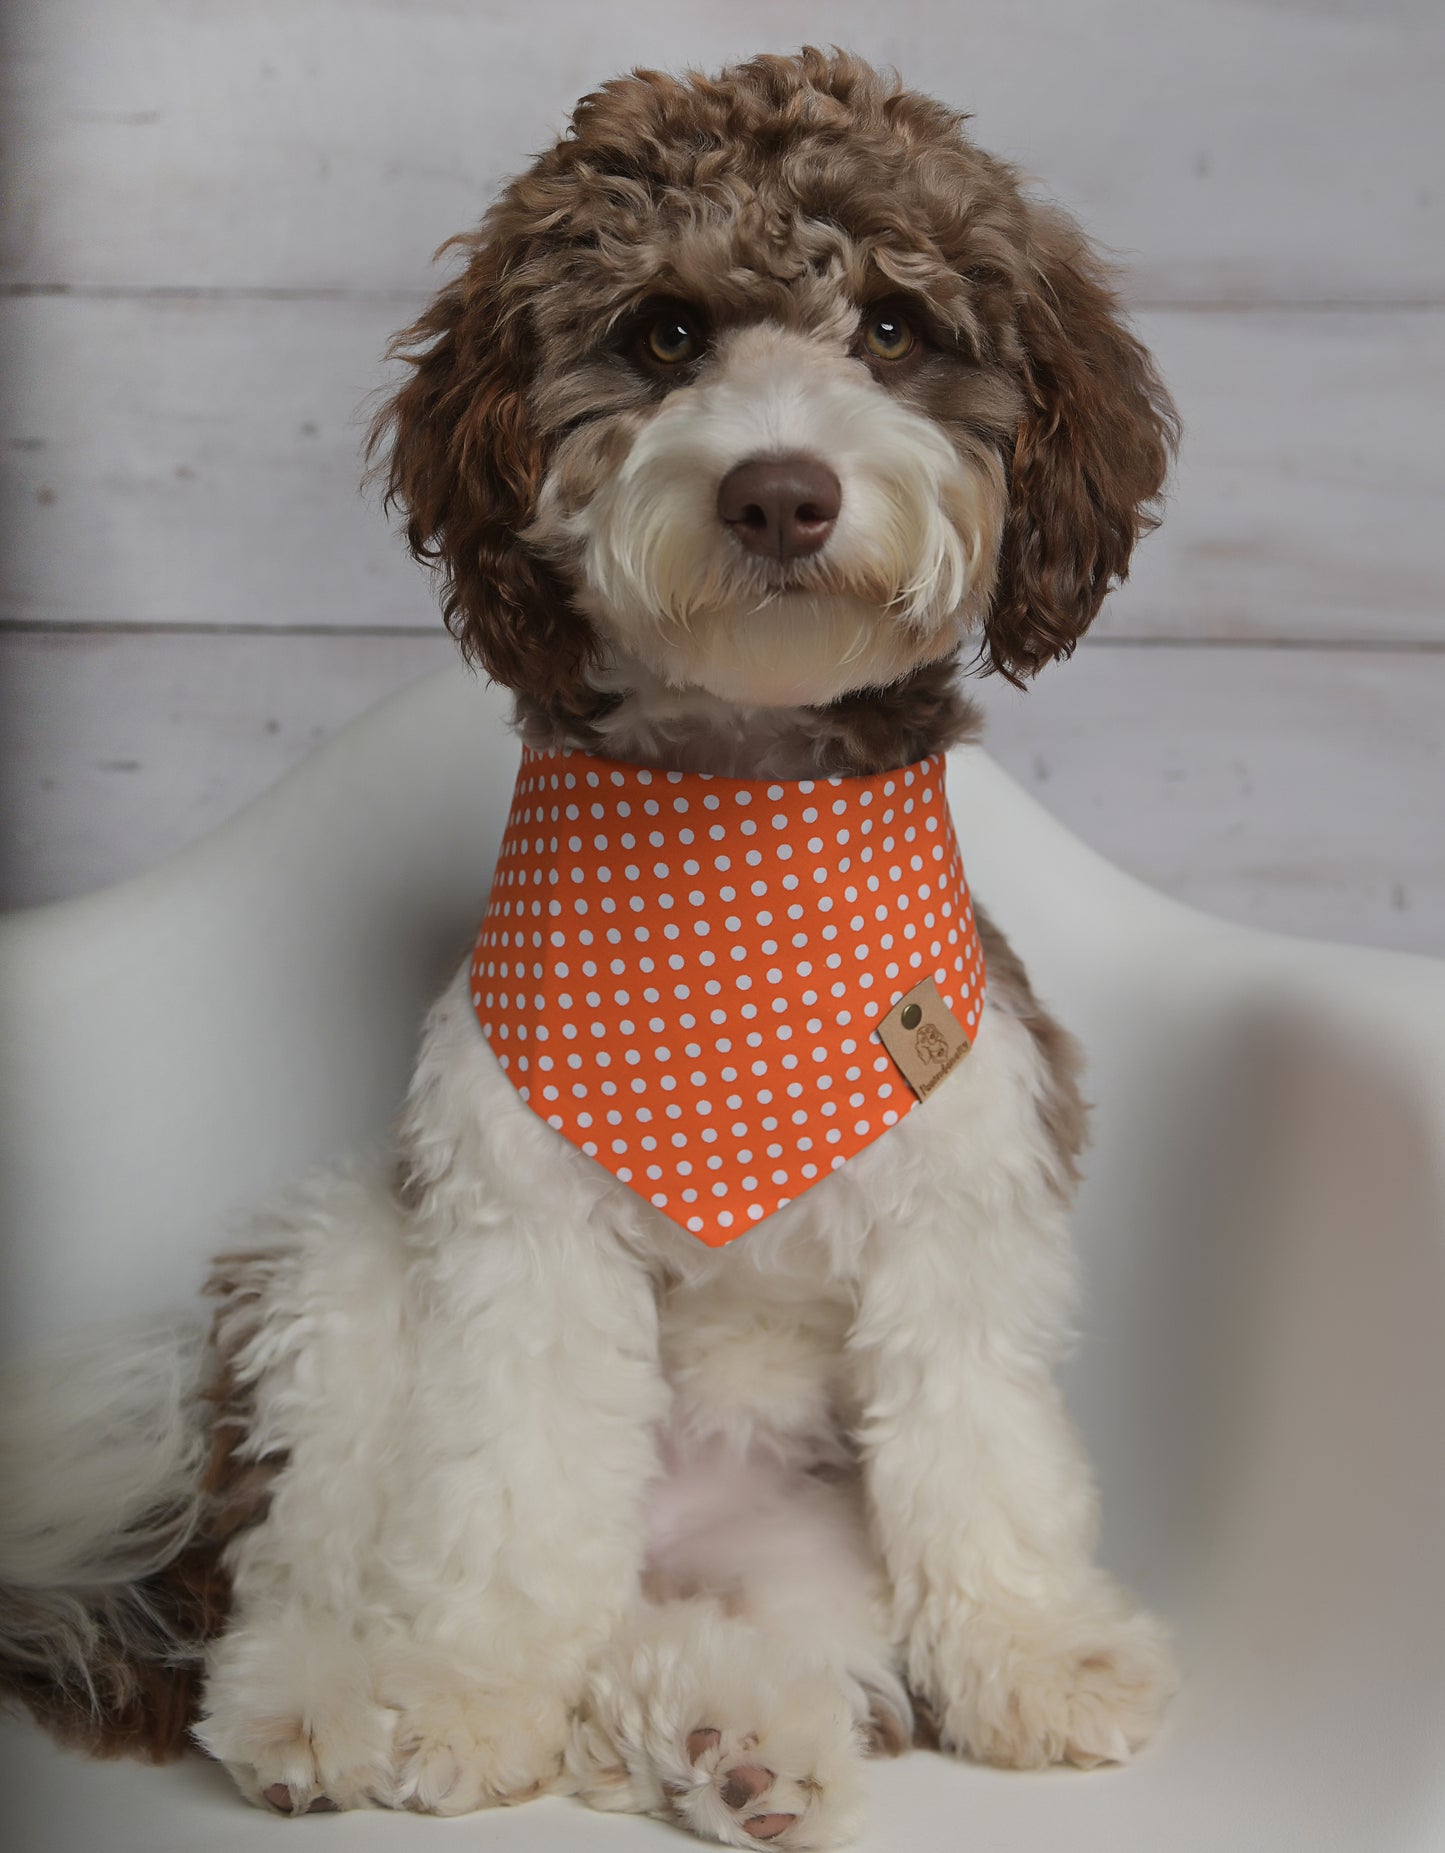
<point x="684" y="975"/>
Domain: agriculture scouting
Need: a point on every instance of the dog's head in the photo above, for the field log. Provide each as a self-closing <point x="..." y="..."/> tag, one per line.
<point x="778" y="383"/>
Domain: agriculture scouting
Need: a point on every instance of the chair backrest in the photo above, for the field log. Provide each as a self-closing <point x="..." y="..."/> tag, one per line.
<point x="177" y="1046"/>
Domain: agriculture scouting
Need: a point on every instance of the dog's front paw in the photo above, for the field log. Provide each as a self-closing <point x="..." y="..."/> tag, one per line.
<point x="792" y="1784"/>
<point x="703" y="1722"/>
<point x="1081" y="1688"/>
<point x="465" y="1749"/>
<point x="315" y="1765"/>
<point x="291" y="1713"/>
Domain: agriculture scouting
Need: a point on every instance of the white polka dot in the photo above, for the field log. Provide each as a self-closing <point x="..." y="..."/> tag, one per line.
<point x="594" y="1034"/>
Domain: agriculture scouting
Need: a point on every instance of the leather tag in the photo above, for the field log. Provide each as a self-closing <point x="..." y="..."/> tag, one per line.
<point x="924" y="1037"/>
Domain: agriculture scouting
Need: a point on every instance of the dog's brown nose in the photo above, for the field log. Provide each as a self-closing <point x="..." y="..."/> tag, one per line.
<point x="783" y="507"/>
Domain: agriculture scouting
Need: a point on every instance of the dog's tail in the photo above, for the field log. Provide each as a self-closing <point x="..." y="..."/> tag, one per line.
<point x="109" y="1587"/>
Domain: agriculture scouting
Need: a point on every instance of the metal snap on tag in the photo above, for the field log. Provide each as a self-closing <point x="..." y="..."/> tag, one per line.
<point x="924" y="1038"/>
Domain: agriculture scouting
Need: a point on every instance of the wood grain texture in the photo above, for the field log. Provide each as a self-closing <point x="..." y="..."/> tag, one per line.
<point x="1293" y="790"/>
<point x="1282" y="150"/>
<point x="214" y="216"/>
<point x="1298" y="790"/>
<point x="182" y="462"/>
<point x="195" y="462"/>
<point x="119" y="749"/>
<point x="1305" y="503"/>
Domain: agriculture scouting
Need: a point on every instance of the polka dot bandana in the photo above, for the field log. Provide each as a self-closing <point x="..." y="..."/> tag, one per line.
<point x="683" y="975"/>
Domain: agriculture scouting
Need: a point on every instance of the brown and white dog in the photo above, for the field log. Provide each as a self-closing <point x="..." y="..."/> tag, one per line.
<point x="758" y="403"/>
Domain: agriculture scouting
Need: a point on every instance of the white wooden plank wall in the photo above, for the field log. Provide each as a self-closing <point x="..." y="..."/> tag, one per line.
<point x="215" y="215"/>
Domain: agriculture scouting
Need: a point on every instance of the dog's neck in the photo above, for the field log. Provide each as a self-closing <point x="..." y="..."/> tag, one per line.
<point x="628" y="714"/>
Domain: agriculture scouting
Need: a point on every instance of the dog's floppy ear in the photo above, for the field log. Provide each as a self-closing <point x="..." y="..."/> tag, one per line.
<point x="1089" y="458"/>
<point x="465" y="465"/>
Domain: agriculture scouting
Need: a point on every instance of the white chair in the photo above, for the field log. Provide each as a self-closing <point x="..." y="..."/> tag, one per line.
<point x="1262" y="1375"/>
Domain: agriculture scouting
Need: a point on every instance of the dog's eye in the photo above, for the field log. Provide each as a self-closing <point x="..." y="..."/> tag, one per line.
<point x="671" y="340"/>
<point x="887" y="336"/>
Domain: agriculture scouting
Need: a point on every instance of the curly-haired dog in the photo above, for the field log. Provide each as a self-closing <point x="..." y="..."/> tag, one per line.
<point x="757" y="404"/>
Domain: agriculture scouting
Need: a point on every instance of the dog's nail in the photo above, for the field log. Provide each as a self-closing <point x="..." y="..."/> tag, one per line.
<point x="323" y="1805"/>
<point x="745" y="1784"/>
<point x="699" y="1741"/>
<point x="769" y="1826"/>
<point x="279" y="1797"/>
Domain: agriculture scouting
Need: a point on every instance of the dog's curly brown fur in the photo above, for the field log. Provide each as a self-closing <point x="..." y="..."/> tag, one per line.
<point x="735" y="191"/>
<point x="138" y="1691"/>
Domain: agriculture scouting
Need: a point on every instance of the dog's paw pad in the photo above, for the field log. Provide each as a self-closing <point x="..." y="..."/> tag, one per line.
<point x="792" y="1786"/>
<point x="737" y="1785"/>
<point x="743" y="1785"/>
<point x="777" y="1767"/>
<point x="283" y="1799"/>
<point x="756" y="1801"/>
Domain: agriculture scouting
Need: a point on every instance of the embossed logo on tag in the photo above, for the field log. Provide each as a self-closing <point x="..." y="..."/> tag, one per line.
<point x="924" y="1037"/>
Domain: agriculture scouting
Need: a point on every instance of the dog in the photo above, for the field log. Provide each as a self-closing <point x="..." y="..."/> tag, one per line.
<point x="759" y="407"/>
